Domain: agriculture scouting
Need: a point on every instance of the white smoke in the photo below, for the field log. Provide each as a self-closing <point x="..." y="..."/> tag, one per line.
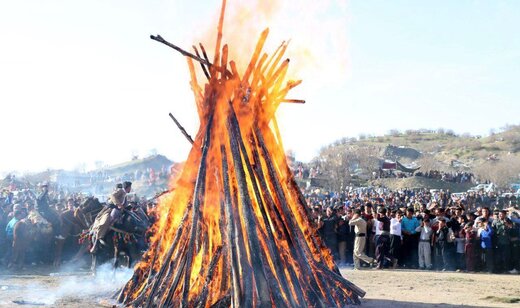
<point x="69" y="287"/>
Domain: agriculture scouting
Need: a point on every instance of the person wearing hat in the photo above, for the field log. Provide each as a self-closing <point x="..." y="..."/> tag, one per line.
<point x="50" y="215"/>
<point x="107" y="217"/>
<point x="43" y="201"/>
<point x="360" y="229"/>
<point x="127" y="186"/>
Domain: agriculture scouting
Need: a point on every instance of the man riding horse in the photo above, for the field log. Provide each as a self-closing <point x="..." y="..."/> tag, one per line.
<point x="118" y="230"/>
<point x="42" y="206"/>
<point x="107" y="217"/>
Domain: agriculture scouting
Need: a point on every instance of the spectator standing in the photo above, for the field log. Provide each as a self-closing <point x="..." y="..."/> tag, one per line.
<point x="460" y="241"/>
<point x="502" y="248"/>
<point x="409" y="225"/>
<point x="425" y="243"/>
<point x="395" y="236"/>
<point x="442" y="243"/>
<point x="360" y="229"/>
<point x="470" y="247"/>
<point x="486" y="243"/>
<point x="383" y="240"/>
<point x="514" y="236"/>
<point x="329" y="226"/>
<point x="343" y="230"/>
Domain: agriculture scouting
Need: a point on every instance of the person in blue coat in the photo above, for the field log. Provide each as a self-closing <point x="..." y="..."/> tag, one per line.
<point x="486" y="242"/>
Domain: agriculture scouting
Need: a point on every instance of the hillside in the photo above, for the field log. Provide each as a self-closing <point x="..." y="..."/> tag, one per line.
<point x="420" y="182"/>
<point x="495" y="157"/>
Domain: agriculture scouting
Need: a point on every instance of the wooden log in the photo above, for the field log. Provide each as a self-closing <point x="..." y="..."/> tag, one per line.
<point x="204" y="69"/>
<point x="171" y="263"/>
<point x="270" y="240"/>
<point x="247" y="214"/>
<point x="256" y="53"/>
<point x="301" y="250"/>
<point x="204" y="53"/>
<point x="293" y="101"/>
<point x="224" y="302"/>
<point x="224" y="280"/>
<point x="203" y="296"/>
<point x="179" y="126"/>
<point x="185" y="53"/>
<point x="219" y="31"/>
<point x="198" y="196"/>
<point x="231" y="233"/>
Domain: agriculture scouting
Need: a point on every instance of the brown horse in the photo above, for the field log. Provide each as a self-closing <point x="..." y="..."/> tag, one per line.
<point x="31" y="233"/>
<point x="74" y="224"/>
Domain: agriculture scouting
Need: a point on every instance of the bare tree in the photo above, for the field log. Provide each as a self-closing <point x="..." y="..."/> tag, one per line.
<point x="501" y="172"/>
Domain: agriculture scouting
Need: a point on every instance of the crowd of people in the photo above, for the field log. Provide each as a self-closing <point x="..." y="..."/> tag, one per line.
<point x="49" y="225"/>
<point x="452" y="177"/>
<point x="380" y="228"/>
<point x="418" y="230"/>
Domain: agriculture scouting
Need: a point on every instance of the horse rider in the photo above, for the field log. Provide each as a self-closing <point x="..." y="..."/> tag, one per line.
<point x="108" y="217"/>
<point x="42" y="206"/>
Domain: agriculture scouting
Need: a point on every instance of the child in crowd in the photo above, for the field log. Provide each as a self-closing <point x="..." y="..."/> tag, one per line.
<point x="460" y="241"/>
<point x="486" y="234"/>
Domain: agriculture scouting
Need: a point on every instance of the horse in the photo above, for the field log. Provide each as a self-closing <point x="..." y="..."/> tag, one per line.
<point x="33" y="233"/>
<point x="74" y="223"/>
<point x="125" y="239"/>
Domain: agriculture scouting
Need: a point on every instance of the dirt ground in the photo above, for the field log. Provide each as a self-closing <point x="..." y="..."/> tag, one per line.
<point x="400" y="288"/>
<point x="387" y="288"/>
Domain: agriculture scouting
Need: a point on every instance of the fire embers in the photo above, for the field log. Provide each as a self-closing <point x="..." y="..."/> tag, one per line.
<point x="236" y="230"/>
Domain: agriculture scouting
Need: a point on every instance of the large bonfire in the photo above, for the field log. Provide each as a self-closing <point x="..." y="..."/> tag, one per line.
<point x="236" y="230"/>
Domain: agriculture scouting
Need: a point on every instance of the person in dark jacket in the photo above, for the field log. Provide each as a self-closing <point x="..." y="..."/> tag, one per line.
<point x="383" y="240"/>
<point x="329" y="229"/>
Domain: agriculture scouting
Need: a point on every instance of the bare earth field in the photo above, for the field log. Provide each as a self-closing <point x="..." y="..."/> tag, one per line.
<point x="399" y="288"/>
<point x="387" y="288"/>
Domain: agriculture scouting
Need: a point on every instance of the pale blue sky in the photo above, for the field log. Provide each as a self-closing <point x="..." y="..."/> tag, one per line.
<point x="75" y="75"/>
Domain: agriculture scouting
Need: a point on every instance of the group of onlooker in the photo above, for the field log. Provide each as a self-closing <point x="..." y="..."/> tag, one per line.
<point x="418" y="230"/>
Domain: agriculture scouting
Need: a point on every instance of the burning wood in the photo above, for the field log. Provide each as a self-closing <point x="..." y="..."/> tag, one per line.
<point x="236" y="230"/>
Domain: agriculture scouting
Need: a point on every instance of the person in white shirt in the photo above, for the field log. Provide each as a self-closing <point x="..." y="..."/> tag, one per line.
<point x="395" y="236"/>
<point x="425" y="244"/>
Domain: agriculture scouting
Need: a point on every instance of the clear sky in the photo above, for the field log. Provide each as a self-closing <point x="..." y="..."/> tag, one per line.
<point x="80" y="81"/>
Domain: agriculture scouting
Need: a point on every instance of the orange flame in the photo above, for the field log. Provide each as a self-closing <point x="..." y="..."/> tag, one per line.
<point x="236" y="228"/>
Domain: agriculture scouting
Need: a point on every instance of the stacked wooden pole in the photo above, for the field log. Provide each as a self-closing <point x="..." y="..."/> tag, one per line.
<point x="236" y="231"/>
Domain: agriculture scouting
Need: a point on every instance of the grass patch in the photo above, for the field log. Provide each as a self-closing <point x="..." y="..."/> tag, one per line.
<point x="505" y="300"/>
